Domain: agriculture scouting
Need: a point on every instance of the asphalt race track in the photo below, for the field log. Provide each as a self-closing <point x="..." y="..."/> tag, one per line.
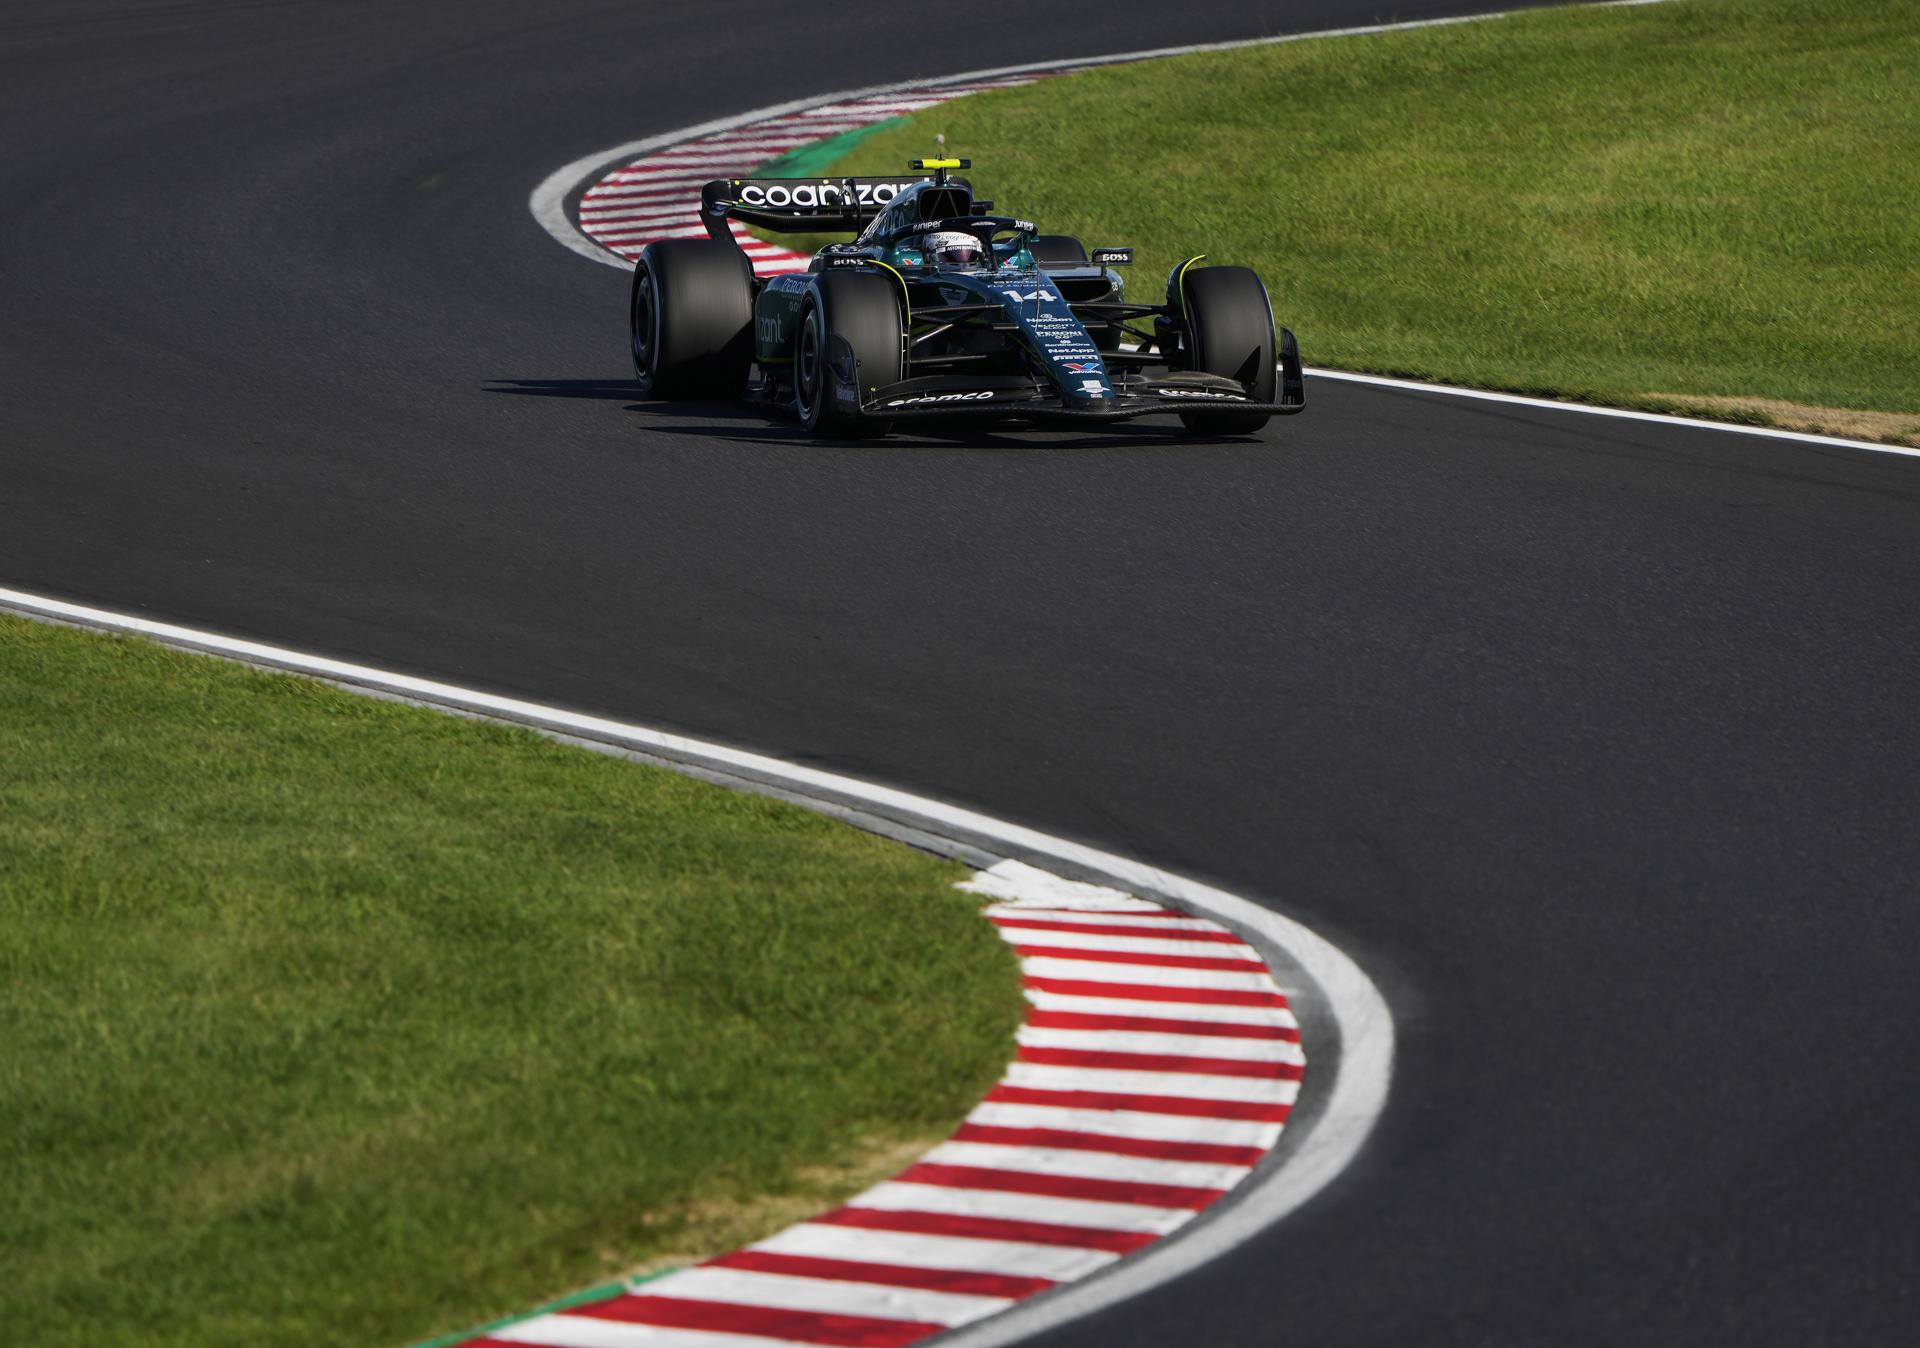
<point x="1593" y="741"/>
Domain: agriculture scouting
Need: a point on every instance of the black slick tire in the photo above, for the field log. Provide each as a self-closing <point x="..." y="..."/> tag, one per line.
<point x="690" y="313"/>
<point x="847" y="345"/>
<point x="1230" y="332"/>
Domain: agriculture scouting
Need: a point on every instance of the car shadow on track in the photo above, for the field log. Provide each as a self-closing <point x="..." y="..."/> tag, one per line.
<point x="769" y="431"/>
<point x="567" y="388"/>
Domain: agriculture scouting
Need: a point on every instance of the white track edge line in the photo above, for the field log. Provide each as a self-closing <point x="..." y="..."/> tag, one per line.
<point x="1363" y="1024"/>
<point x="1622" y="413"/>
<point x="548" y="204"/>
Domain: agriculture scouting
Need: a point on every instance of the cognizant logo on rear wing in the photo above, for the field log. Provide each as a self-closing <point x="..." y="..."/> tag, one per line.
<point x="810" y="195"/>
<point x="798" y="205"/>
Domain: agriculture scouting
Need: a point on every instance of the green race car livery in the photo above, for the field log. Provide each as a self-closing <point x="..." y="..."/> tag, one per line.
<point x="939" y="307"/>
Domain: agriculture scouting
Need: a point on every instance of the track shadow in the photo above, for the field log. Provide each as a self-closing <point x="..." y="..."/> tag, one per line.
<point x="768" y="429"/>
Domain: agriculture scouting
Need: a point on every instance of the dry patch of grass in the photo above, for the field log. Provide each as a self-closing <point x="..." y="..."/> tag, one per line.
<point x="1890" y="428"/>
<point x="712" y="1226"/>
<point x="696" y="1231"/>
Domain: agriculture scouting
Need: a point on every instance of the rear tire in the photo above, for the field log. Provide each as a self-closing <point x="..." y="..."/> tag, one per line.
<point x="1230" y="333"/>
<point x="690" y="313"/>
<point x="848" y="344"/>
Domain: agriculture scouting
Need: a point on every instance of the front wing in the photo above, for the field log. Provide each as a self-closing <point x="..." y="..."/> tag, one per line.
<point x="1135" y="396"/>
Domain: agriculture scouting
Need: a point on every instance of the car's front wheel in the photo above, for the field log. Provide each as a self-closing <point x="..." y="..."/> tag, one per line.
<point x="848" y="344"/>
<point x="1229" y="331"/>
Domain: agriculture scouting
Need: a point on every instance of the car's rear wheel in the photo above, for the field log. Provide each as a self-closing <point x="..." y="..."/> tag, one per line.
<point x="847" y="345"/>
<point x="691" y="318"/>
<point x="1229" y="332"/>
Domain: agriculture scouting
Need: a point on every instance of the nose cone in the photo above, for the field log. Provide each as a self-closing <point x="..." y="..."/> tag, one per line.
<point x="1058" y="339"/>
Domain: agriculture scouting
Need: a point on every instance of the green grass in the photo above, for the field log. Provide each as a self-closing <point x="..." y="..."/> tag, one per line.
<point x="328" y="1020"/>
<point x="1702" y="198"/>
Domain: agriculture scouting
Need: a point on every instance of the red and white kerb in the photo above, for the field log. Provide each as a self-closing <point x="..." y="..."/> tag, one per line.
<point x="1157" y="1065"/>
<point x="658" y="196"/>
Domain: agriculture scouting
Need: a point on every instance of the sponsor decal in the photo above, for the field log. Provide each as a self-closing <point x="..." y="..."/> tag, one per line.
<point x="847" y="261"/>
<point x="1198" y="393"/>
<point x="984" y="395"/>
<point x="1079" y="369"/>
<point x="1093" y="386"/>
<point x="1111" y="257"/>
<point x="818" y="196"/>
<point x="788" y="283"/>
<point x="1026" y="226"/>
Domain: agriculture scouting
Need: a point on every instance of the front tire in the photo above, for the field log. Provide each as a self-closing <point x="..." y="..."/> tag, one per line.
<point x="1230" y="333"/>
<point x="847" y="345"/>
<point x="690" y="313"/>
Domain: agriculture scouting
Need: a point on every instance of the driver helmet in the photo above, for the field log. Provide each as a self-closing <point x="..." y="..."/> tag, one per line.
<point x="952" y="248"/>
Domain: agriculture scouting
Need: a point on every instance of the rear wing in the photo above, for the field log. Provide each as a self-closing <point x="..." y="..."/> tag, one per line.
<point x="799" y="205"/>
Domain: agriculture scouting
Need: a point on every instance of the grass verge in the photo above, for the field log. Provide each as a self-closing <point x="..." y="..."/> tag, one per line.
<point x="1704" y="205"/>
<point x="329" y="1020"/>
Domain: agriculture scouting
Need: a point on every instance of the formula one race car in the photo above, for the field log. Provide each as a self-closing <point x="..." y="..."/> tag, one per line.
<point x="941" y="308"/>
